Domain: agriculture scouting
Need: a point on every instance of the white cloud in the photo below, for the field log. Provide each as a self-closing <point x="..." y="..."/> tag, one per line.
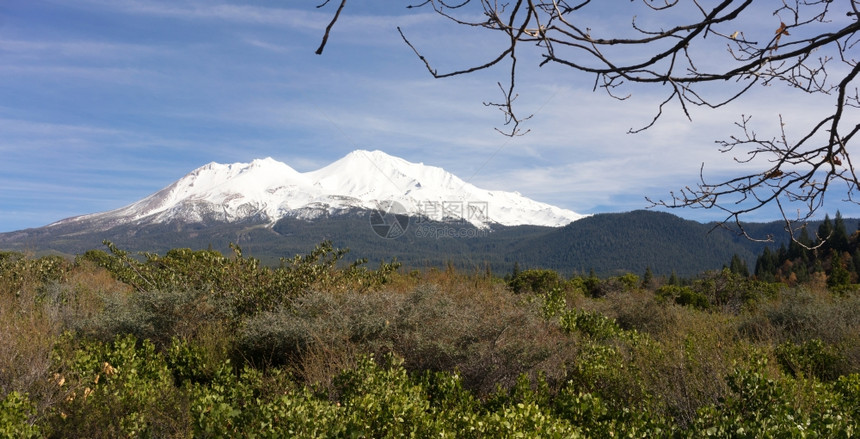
<point x="42" y="49"/>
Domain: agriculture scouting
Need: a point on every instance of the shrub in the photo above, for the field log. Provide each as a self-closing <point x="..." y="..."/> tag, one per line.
<point x="594" y="325"/>
<point x="251" y="404"/>
<point x="16" y="417"/>
<point x="684" y="296"/>
<point x="319" y="323"/>
<point x="120" y="389"/>
<point x="18" y="272"/>
<point x="630" y="281"/>
<point x="761" y="406"/>
<point x="811" y="358"/>
<point x="534" y="281"/>
<point x="384" y="402"/>
<point x="158" y="315"/>
<point x="731" y="292"/>
<point x="801" y="314"/>
<point x="248" y="285"/>
<point x="643" y="312"/>
<point x="595" y="418"/>
<point x="490" y="338"/>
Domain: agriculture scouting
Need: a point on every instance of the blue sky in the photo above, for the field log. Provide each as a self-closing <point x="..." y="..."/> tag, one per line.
<point x="103" y="102"/>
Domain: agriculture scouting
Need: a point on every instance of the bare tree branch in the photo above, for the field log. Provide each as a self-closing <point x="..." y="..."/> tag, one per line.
<point x="809" y="49"/>
<point x="330" y="25"/>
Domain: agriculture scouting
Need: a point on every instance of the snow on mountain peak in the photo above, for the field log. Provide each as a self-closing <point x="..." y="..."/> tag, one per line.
<point x="271" y="190"/>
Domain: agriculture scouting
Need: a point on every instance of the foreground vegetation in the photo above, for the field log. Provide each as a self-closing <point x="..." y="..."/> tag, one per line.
<point x="196" y="344"/>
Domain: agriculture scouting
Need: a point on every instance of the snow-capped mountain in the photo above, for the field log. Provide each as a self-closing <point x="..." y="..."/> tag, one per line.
<point x="269" y="190"/>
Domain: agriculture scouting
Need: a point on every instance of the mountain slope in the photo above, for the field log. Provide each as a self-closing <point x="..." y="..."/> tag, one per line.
<point x="615" y="243"/>
<point x="268" y="190"/>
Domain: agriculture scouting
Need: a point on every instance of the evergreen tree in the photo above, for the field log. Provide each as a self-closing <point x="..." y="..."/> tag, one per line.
<point x="825" y="230"/>
<point x="839" y="275"/>
<point x="514" y="272"/>
<point x="739" y="266"/>
<point x="806" y="243"/>
<point x="765" y="267"/>
<point x="839" y="239"/>
<point x="647" y="278"/>
<point x="673" y="279"/>
<point x="795" y="250"/>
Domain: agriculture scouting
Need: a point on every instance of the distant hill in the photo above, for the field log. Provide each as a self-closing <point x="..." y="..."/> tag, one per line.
<point x="616" y="243"/>
<point x="609" y="244"/>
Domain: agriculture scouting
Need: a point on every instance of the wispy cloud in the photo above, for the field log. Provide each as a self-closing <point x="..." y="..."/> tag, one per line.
<point x="291" y="17"/>
<point x="41" y="49"/>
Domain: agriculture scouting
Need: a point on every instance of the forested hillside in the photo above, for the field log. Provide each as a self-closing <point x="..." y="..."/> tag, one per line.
<point x="608" y="244"/>
<point x="634" y="241"/>
<point x="826" y="252"/>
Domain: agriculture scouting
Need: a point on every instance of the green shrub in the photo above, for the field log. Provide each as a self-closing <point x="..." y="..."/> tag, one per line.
<point x="119" y="389"/>
<point x="811" y="358"/>
<point x="190" y="363"/>
<point x="848" y="389"/>
<point x="760" y="406"/>
<point x="524" y="420"/>
<point x="18" y="272"/>
<point x="684" y="296"/>
<point x="16" y="417"/>
<point x="243" y="281"/>
<point x="534" y="281"/>
<point x="595" y="325"/>
<point x="732" y="292"/>
<point x="595" y="418"/>
<point x="592" y="286"/>
<point x="608" y="372"/>
<point x="630" y="281"/>
<point x="554" y="303"/>
<point x="385" y="402"/>
<point x="250" y="404"/>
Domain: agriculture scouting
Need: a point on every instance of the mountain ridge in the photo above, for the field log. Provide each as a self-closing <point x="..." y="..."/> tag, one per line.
<point x="271" y="190"/>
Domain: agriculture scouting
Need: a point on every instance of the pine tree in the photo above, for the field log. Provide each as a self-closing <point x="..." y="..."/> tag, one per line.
<point x="795" y="250"/>
<point x="839" y="275"/>
<point x="739" y="266"/>
<point x="839" y="239"/>
<point x="825" y="230"/>
<point x="800" y="249"/>
<point x="673" y="279"/>
<point x="764" y="265"/>
<point x="647" y="278"/>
